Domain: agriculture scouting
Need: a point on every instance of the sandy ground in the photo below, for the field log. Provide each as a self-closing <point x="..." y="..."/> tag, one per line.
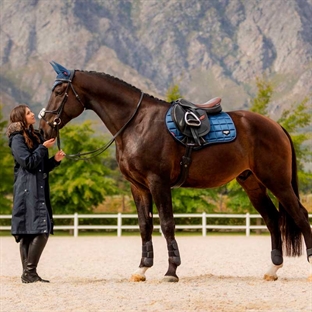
<point x="218" y="273"/>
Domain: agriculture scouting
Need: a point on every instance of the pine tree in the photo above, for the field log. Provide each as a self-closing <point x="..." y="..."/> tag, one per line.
<point x="173" y="93"/>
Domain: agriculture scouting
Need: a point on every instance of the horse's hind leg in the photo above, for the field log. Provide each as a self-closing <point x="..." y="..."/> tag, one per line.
<point x="143" y="201"/>
<point x="263" y="204"/>
<point x="295" y="223"/>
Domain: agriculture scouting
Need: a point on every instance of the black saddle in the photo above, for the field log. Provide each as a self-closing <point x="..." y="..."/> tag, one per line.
<point x="192" y="120"/>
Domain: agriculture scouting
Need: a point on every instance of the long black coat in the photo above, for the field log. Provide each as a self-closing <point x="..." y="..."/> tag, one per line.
<point x="31" y="194"/>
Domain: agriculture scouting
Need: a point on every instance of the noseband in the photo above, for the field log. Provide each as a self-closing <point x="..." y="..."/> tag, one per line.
<point x="57" y="121"/>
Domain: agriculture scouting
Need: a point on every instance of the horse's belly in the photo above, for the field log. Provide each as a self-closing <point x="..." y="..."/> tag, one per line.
<point x="213" y="170"/>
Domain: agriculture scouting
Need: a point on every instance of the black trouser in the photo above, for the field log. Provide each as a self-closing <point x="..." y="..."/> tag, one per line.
<point x="31" y="247"/>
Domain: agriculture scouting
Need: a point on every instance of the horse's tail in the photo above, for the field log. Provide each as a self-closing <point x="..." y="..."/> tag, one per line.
<point x="291" y="233"/>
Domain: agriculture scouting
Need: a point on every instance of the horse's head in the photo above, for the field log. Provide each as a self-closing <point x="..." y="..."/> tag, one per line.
<point x="64" y="103"/>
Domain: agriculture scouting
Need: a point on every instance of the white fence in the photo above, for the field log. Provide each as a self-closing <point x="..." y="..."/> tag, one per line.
<point x="203" y="226"/>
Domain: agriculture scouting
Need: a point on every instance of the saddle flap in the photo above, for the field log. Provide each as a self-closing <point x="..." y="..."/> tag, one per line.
<point x="189" y="121"/>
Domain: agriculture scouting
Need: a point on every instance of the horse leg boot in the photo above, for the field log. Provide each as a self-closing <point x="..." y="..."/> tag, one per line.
<point x="35" y="249"/>
<point x="147" y="261"/>
<point x="174" y="261"/>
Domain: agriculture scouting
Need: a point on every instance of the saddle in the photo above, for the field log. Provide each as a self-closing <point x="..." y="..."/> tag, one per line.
<point x="192" y="119"/>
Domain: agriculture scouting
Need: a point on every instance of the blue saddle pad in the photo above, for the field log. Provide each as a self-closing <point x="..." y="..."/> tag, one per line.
<point x="222" y="129"/>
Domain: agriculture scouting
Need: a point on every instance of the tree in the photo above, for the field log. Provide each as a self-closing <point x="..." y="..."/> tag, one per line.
<point x="79" y="186"/>
<point x="6" y="169"/>
<point x="260" y="102"/>
<point x="173" y="93"/>
<point x="294" y="120"/>
<point x="189" y="200"/>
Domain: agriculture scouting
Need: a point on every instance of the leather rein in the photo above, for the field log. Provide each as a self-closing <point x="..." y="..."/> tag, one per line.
<point x="57" y="121"/>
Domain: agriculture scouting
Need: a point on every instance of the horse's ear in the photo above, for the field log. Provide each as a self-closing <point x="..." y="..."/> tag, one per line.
<point x="61" y="71"/>
<point x="55" y="67"/>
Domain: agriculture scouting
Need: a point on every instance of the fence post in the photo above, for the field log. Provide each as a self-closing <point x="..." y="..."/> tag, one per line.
<point x="247" y="224"/>
<point x="119" y="223"/>
<point x="204" y="223"/>
<point x="76" y="223"/>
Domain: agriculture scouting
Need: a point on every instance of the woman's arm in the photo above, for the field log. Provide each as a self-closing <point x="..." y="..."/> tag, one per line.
<point x="52" y="163"/>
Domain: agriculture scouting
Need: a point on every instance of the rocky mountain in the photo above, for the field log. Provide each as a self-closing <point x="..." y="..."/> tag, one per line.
<point x="207" y="47"/>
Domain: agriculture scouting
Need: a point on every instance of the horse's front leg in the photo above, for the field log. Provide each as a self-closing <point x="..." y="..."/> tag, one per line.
<point x="144" y="205"/>
<point x="163" y="201"/>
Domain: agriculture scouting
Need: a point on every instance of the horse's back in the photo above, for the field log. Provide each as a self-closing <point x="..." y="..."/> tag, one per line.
<point x="259" y="130"/>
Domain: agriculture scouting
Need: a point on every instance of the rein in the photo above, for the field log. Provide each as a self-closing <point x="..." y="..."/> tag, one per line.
<point x="57" y="122"/>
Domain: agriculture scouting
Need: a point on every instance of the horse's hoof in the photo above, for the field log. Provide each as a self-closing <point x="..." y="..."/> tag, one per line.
<point x="170" y="279"/>
<point x="137" y="278"/>
<point x="270" y="277"/>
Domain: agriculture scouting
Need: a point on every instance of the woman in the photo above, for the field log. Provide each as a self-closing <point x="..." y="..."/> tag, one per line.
<point x="32" y="214"/>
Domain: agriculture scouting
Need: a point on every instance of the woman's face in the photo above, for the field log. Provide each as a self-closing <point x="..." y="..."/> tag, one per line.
<point x="30" y="117"/>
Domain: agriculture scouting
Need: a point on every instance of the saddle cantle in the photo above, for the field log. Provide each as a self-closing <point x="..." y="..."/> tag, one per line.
<point x="212" y="106"/>
<point x="192" y="120"/>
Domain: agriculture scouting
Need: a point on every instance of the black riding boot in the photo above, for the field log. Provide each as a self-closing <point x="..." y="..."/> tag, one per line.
<point x="24" y="245"/>
<point x="35" y="249"/>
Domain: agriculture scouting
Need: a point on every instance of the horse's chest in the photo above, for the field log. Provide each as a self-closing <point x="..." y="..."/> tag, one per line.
<point x="130" y="156"/>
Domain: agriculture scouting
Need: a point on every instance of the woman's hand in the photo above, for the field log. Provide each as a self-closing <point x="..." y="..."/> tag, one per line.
<point x="59" y="155"/>
<point x="49" y="143"/>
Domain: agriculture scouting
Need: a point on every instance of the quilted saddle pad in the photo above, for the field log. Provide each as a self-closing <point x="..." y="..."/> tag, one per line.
<point x="222" y="129"/>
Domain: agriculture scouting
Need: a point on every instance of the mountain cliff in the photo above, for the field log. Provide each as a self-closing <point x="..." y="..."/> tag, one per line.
<point x="209" y="48"/>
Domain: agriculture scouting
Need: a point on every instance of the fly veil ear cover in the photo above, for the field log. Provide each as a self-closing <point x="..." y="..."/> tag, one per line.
<point x="63" y="74"/>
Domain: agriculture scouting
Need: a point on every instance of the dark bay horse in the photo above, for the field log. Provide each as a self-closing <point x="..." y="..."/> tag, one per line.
<point x="261" y="158"/>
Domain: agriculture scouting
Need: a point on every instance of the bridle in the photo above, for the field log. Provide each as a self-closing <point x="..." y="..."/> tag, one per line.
<point x="57" y="121"/>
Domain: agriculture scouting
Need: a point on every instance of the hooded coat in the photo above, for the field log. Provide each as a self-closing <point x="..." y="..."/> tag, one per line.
<point x="32" y="212"/>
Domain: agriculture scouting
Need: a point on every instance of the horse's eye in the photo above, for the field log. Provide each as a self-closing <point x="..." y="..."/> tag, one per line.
<point x="58" y="91"/>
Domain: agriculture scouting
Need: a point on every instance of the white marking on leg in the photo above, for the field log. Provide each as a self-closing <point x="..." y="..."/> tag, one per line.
<point x="141" y="270"/>
<point x="271" y="273"/>
<point x="139" y="275"/>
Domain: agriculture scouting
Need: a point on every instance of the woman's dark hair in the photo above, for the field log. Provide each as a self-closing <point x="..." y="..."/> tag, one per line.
<point x="18" y="114"/>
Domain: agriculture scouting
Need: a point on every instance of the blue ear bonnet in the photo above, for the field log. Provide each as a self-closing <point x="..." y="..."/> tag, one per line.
<point x="63" y="74"/>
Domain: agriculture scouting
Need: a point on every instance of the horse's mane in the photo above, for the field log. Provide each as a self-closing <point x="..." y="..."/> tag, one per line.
<point x="121" y="81"/>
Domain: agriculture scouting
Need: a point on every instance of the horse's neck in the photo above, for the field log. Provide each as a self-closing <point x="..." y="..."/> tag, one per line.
<point x="114" y="109"/>
<point x="113" y="100"/>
